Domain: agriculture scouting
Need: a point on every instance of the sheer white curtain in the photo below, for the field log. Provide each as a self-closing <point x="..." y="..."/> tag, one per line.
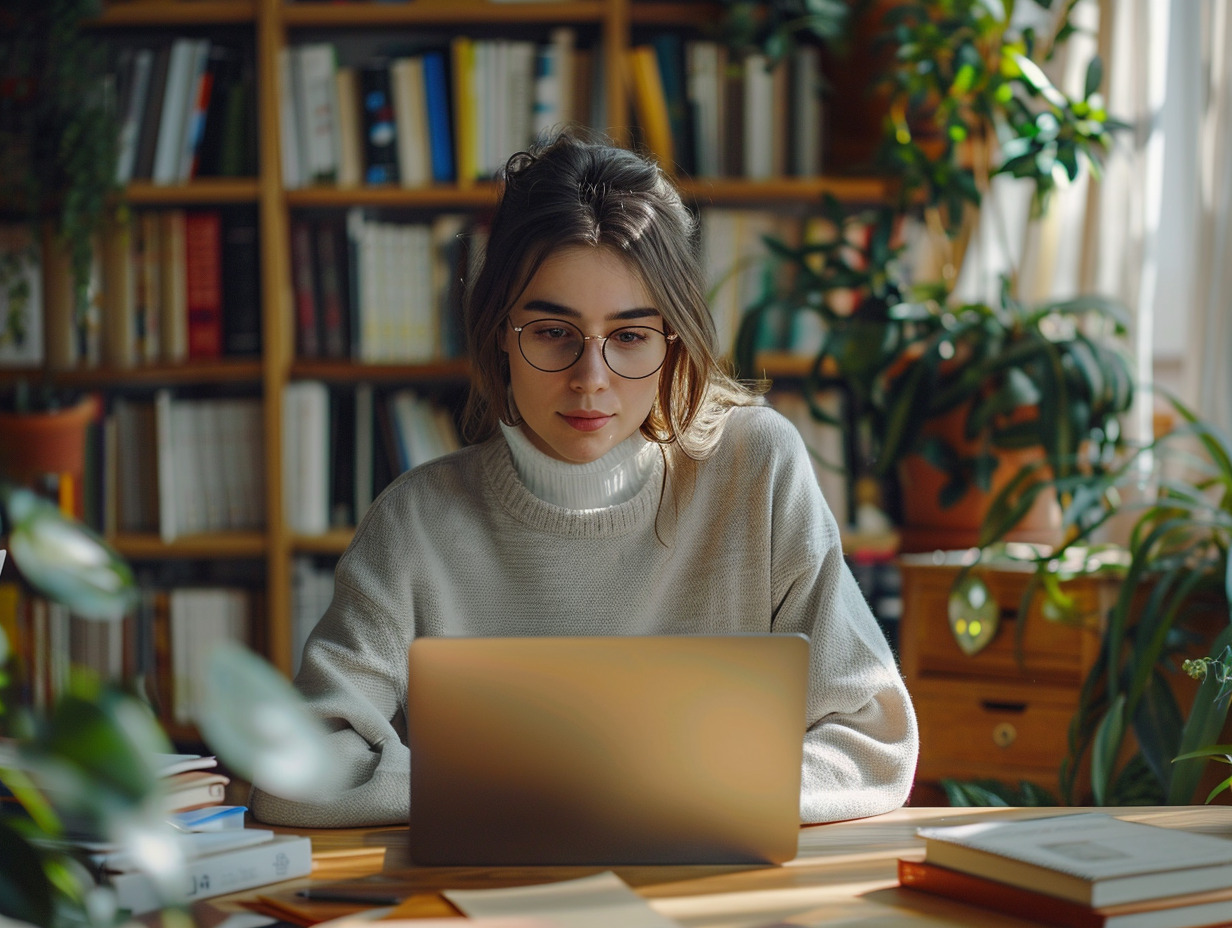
<point x="1155" y="232"/>
<point x="1208" y="380"/>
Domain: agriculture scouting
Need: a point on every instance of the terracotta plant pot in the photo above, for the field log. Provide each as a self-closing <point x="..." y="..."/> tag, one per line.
<point x="33" y="445"/>
<point x="927" y="526"/>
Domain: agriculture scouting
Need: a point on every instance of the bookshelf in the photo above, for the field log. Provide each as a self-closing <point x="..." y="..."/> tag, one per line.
<point x="264" y="30"/>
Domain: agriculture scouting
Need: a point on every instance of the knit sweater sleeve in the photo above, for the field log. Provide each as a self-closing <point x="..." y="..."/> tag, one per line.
<point x="353" y="677"/>
<point x="861" y="743"/>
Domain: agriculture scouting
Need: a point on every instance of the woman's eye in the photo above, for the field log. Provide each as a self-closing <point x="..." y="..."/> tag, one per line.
<point x="629" y="337"/>
<point x="551" y="333"/>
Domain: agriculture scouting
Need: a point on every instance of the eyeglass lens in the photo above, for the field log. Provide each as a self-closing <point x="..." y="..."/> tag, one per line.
<point x="633" y="352"/>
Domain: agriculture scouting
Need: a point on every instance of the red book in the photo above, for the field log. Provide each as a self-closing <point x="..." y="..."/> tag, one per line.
<point x="203" y="283"/>
<point x="303" y="288"/>
<point x="1188" y="911"/>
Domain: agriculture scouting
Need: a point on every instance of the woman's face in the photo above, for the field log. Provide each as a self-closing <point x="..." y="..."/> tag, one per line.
<point x="580" y="413"/>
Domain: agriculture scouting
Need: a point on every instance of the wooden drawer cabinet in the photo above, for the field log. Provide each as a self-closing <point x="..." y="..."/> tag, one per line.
<point x="976" y="729"/>
<point x="1002" y="713"/>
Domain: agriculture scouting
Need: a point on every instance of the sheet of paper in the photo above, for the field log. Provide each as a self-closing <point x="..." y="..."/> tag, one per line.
<point x="599" y="901"/>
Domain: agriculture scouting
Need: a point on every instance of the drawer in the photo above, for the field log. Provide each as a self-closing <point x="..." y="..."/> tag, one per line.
<point x="1048" y="651"/>
<point x="989" y="729"/>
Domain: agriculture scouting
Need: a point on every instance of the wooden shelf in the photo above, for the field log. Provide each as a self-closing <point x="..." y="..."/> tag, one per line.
<point x="653" y="13"/>
<point x="440" y="13"/>
<point x="724" y="191"/>
<point x="445" y="196"/>
<point x="332" y="542"/>
<point x="211" y="190"/>
<point x="214" y="546"/>
<point x="129" y="13"/>
<point x="239" y="370"/>
<point x="455" y="369"/>
<point x="721" y="191"/>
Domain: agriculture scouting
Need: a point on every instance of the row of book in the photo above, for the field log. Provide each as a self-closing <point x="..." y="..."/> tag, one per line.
<point x="440" y="115"/>
<point x="167" y="286"/>
<point x="1081" y="870"/>
<point x="712" y="113"/>
<point x="162" y="646"/>
<point x="183" y="466"/>
<point x="218" y="853"/>
<point x="186" y="109"/>
<point x="342" y="447"/>
<point x="377" y="291"/>
<point x="180" y="285"/>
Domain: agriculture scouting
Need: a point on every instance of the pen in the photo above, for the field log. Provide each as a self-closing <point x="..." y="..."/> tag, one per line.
<point x="342" y="895"/>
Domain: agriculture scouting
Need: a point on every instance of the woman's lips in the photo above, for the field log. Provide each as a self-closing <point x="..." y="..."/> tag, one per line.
<point x="587" y="422"/>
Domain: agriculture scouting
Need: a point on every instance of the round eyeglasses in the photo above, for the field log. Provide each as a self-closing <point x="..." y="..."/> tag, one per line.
<point x="632" y="351"/>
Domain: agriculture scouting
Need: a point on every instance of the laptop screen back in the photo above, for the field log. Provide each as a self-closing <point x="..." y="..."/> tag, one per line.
<point x="599" y="750"/>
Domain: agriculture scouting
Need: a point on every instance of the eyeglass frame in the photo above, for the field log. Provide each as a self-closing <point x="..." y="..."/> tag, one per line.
<point x="668" y="337"/>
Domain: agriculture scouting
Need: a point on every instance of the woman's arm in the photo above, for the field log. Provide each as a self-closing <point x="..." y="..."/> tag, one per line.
<point x="353" y="677"/>
<point x="861" y="744"/>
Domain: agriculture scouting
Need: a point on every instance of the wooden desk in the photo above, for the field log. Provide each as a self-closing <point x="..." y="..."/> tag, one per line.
<point x="844" y="873"/>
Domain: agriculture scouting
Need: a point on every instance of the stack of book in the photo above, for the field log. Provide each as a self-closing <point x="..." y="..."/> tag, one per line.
<point x="1087" y="870"/>
<point x="220" y="854"/>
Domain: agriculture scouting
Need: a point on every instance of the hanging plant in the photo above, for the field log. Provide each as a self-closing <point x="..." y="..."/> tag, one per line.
<point x="57" y="124"/>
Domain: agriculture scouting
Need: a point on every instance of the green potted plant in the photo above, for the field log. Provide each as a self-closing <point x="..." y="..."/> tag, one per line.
<point x="58" y="130"/>
<point x="957" y="386"/>
<point x="85" y="767"/>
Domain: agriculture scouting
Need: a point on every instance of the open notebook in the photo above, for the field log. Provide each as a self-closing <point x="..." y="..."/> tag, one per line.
<point x="644" y="750"/>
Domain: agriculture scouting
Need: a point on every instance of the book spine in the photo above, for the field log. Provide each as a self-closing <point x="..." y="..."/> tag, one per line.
<point x="307" y="335"/>
<point x="999" y="897"/>
<point x="241" y="315"/>
<point x="203" y="283"/>
<point x="440" y="133"/>
<point x="217" y="874"/>
<point x="380" y="131"/>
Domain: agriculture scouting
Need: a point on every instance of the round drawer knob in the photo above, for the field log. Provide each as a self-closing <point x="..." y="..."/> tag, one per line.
<point x="1003" y="734"/>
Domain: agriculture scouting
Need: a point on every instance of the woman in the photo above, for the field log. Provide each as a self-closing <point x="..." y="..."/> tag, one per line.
<point x="620" y="484"/>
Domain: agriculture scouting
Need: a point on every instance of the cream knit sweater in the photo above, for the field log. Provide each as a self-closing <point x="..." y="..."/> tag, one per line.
<point x="459" y="546"/>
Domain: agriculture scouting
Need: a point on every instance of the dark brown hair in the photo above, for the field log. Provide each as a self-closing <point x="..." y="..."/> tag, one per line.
<point x="572" y="190"/>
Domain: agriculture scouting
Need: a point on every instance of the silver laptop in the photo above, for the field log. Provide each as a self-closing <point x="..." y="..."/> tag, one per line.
<point x="635" y="750"/>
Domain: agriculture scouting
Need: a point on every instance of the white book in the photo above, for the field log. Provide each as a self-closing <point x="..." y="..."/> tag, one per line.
<point x="172" y="116"/>
<point x="252" y="475"/>
<point x="406" y="78"/>
<point x="1091" y="858"/>
<point x="188" y="446"/>
<point x="702" y="90"/>
<point x="191" y="845"/>
<point x="288" y="121"/>
<point x="520" y="80"/>
<point x="808" y="109"/>
<point x="171" y="764"/>
<point x="282" y="858"/>
<point x="214" y="460"/>
<point x="305" y="457"/>
<point x="422" y="330"/>
<point x="360" y="238"/>
<point x="130" y="125"/>
<point x="315" y="93"/>
<point x="758" y="118"/>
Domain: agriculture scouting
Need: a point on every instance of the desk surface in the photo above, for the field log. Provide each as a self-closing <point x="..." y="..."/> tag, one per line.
<point x="844" y="874"/>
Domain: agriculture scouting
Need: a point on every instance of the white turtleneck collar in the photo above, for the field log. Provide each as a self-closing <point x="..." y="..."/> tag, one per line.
<point x="615" y="478"/>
